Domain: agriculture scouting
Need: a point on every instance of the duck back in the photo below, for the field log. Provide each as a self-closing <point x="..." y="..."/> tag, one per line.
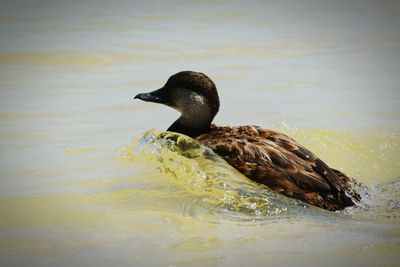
<point x="278" y="161"/>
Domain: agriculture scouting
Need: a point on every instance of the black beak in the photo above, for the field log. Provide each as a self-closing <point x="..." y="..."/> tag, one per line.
<point x="157" y="96"/>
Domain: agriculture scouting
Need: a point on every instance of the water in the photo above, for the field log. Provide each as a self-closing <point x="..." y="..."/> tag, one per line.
<point x="74" y="191"/>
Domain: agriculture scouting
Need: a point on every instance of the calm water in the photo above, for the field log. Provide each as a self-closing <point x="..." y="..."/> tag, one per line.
<point x="75" y="190"/>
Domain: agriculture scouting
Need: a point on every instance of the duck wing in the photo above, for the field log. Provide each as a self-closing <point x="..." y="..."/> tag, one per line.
<point x="278" y="161"/>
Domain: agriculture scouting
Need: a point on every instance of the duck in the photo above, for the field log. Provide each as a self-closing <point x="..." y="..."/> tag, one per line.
<point x="265" y="156"/>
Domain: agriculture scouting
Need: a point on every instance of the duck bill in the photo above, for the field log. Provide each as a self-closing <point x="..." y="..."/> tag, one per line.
<point x="157" y="96"/>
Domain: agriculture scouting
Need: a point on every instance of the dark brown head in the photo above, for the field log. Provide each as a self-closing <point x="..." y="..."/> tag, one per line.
<point x="191" y="93"/>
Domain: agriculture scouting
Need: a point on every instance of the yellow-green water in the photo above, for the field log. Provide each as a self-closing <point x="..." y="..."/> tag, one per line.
<point x="75" y="190"/>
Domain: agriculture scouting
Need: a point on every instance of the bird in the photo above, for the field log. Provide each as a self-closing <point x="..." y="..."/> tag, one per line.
<point x="264" y="156"/>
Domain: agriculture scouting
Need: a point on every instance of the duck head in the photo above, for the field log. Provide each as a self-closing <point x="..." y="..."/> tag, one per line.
<point x="191" y="93"/>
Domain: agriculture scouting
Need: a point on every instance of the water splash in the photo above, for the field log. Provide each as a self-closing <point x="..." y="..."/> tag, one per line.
<point x="379" y="202"/>
<point x="212" y="185"/>
<point x="220" y="187"/>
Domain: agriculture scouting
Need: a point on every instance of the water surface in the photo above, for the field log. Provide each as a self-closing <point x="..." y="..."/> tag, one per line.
<point x="75" y="190"/>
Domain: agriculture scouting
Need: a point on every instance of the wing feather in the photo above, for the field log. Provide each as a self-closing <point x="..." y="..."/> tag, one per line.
<point x="278" y="161"/>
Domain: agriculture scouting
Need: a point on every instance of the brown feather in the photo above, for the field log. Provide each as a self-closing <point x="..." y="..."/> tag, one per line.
<point x="278" y="161"/>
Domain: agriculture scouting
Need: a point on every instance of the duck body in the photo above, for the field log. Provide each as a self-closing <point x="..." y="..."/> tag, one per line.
<point x="265" y="156"/>
<point x="276" y="160"/>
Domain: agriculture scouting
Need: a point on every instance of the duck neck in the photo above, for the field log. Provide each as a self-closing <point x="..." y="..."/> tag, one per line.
<point x="192" y="124"/>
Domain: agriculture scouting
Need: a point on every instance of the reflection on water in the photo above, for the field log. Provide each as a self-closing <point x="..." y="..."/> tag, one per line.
<point x="325" y="73"/>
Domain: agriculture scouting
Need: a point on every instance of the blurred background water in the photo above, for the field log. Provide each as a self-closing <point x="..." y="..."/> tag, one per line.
<point x="325" y="72"/>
